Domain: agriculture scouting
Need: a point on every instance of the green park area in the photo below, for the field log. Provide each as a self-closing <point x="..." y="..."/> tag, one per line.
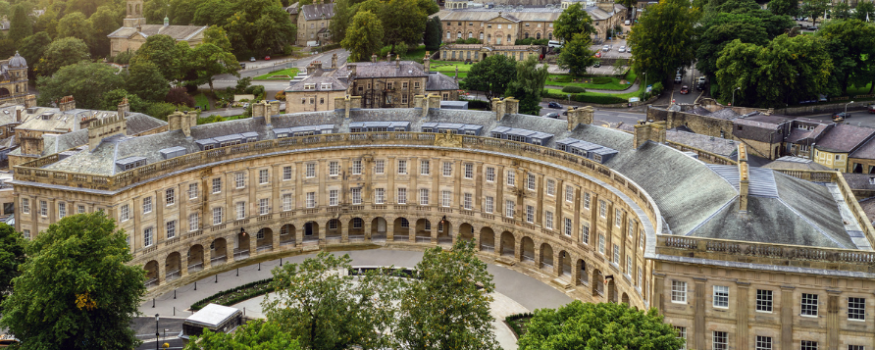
<point x="282" y="74"/>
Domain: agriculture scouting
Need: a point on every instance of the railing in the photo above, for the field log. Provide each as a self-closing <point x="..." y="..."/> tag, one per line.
<point x="507" y="252"/>
<point x="333" y="238"/>
<point x="265" y="247"/>
<point x="33" y="171"/>
<point x="718" y="249"/>
<point x="487" y="247"/>
<point x="360" y="238"/>
<point x="289" y="242"/>
<point x="422" y="239"/>
<point x="528" y="257"/>
<point x="195" y="267"/>
<point x="151" y="283"/>
<point x="172" y="276"/>
<point x="240" y="254"/>
<point x="376" y="238"/>
<point x="445" y="240"/>
<point x="219" y="260"/>
<point x="310" y="238"/>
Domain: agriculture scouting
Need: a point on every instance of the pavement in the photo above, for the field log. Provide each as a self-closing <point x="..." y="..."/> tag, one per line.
<point x="614" y="51"/>
<point x="690" y="74"/>
<point x="515" y="292"/>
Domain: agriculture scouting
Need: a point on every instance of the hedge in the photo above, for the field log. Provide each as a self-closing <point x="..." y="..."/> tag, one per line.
<point x="573" y="89"/>
<point x="514" y="325"/>
<point x="601" y="80"/>
<point x="263" y="287"/>
<point x="599" y="99"/>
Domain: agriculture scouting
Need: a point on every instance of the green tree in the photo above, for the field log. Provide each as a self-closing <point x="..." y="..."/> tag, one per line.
<point x="86" y="7"/>
<point x="492" y="75"/>
<point x="20" y="25"/>
<point x="162" y="50"/>
<point x="529" y="83"/>
<point x="814" y="9"/>
<point x="207" y="60"/>
<point x="344" y="11"/>
<point x="182" y="11"/>
<point x="216" y="35"/>
<point x="112" y="99"/>
<point x="76" y="290"/>
<point x="259" y="27"/>
<point x="663" y="38"/>
<point x="75" y="25"/>
<point x="213" y="12"/>
<point x="364" y="36"/>
<point x="156" y="10"/>
<point x="432" y="37"/>
<point x="403" y="21"/>
<point x="784" y="7"/>
<point x="865" y="11"/>
<point x="86" y="81"/>
<point x="102" y="23"/>
<point x="60" y="53"/>
<point x="33" y="47"/>
<point x="7" y="47"/>
<point x="430" y="7"/>
<point x="850" y="44"/>
<point x="576" y="55"/>
<point x="571" y="21"/>
<point x="599" y="326"/>
<point x="841" y="11"/>
<point x="446" y="307"/>
<point x="255" y="335"/>
<point x="145" y="80"/>
<point x="721" y="29"/>
<point x="12" y="247"/>
<point x="330" y="310"/>
<point x="5" y="9"/>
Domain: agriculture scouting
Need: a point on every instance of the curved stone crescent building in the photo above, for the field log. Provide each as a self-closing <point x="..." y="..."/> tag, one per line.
<point x="733" y="256"/>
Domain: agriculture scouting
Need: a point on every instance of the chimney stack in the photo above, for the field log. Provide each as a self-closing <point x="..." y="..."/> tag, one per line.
<point x="181" y="121"/>
<point x="389" y="57"/>
<point x="18" y="115"/>
<point x="274" y="110"/>
<point x="374" y="58"/>
<point x="426" y="62"/>
<point x="647" y="131"/>
<point x="398" y="61"/>
<point x="578" y="116"/>
<point x="743" y="178"/>
<point x="102" y="128"/>
<point x="347" y="104"/>
<point x="420" y="103"/>
<point x="124" y="107"/>
<point x="67" y="103"/>
<point x="30" y="101"/>
<point x="498" y="106"/>
<point x="334" y="61"/>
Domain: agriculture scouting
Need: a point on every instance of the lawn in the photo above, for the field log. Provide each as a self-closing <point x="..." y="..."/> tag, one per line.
<point x="414" y="54"/>
<point x="636" y="93"/>
<point x="614" y="84"/>
<point x="201" y="100"/>
<point x="282" y="74"/>
<point x="449" y="68"/>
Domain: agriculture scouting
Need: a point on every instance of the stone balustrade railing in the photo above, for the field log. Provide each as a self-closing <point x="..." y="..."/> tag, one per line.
<point x="765" y="253"/>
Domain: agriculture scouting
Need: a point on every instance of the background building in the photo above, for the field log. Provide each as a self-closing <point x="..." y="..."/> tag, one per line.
<point x="313" y="21"/>
<point x="134" y="31"/>
<point x="13" y="79"/>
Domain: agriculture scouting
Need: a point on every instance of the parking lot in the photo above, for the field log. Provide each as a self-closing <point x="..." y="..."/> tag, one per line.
<point x="614" y="51"/>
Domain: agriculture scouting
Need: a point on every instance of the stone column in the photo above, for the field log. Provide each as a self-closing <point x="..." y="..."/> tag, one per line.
<point x="275" y="236"/>
<point x="557" y="263"/>
<point x="183" y="264"/>
<point x="208" y="255"/>
<point x="323" y="228"/>
<point x="832" y="319"/>
<point x="391" y="191"/>
<point x="299" y="233"/>
<point x="741" y="315"/>
<point x="537" y="253"/>
<point x="162" y="271"/>
<point x="345" y="225"/>
<point x="518" y="249"/>
<point x="787" y="303"/>
<point x="700" y="333"/>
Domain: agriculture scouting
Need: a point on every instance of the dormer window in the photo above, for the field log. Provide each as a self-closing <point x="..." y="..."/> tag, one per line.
<point x="326" y="86"/>
<point x="309" y="86"/>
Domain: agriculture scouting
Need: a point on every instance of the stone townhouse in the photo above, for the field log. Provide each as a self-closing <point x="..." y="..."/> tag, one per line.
<point x="478" y="52"/>
<point x="313" y="22"/>
<point x="134" y="31"/>
<point x="380" y="84"/>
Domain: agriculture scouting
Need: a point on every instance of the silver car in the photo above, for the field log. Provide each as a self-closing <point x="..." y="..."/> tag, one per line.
<point x="606" y="48"/>
<point x="622" y="49"/>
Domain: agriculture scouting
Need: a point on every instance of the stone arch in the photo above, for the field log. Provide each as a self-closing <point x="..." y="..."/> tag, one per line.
<point x="401" y="229"/>
<point x="550" y="35"/>
<point x="565" y="264"/>
<point x="241" y="246"/>
<point x="538" y="36"/>
<point x="195" y="258"/>
<point x="598" y="283"/>
<point x="287" y="234"/>
<point x="4" y="92"/>
<point x="423" y="230"/>
<point x="459" y="35"/>
<point x="612" y="291"/>
<point x="356" y="227"/>
<point x="333" y="229"/>
<point x="508" y="40"/>
<point x="151" y="268"/>
<point x="470" y="35"/>
<point x="264" y="239"/>
<point x="546" y="256"/>
<point x="172" y="266"/>
<point x="378" y="227"/>
<point x="487" y="240"/>
<point x="466" y="232"/>
<point x="444" y="231"/>
<point x="582" y="277"/>
<point x="527" y="250"/>
<point x="311" y="231"/>
<point x="508" y="244"/>
<point x="526" y="35"/>
<point x="218" y="249"/>
<point x="625" y="299"/>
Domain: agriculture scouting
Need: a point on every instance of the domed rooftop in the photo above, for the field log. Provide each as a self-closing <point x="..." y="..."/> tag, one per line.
<point x="17" y="61"/>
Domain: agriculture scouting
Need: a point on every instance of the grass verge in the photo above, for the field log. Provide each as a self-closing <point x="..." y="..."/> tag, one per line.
<point x="282" y="74"/>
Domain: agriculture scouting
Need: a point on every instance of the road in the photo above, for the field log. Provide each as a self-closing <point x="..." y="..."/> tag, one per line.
<point x="257" y="68"/>
<point x="601" y="116"/>
<point x="689" y="79"/>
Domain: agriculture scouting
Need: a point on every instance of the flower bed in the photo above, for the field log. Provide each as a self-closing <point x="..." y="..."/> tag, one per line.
<point x="235" y="295"/>
<point x="518" y="323"/>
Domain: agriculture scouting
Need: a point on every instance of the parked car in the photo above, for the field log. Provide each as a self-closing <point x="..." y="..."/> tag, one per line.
<point x="251" y="59"/>
<point x="7" y="340"/>
<point x="841" y="115"/>
<point x="598" y="55"/>
<point x="871" y="109"/>
<point x="685" y="90"/>
<point x="552" y="115"/>
<point x="246" y="105"/>
<point x="597" y="64"/>
<point x="606" y="48"/>
<point x="554" y="44"/>
<point x="267" y="58"/>
<point x="554" y="105"/>
<point x="700" y="84"/>
<point x="678" y="78"/>
<point x="622" y="49"/>
<point x="629" y="49"/>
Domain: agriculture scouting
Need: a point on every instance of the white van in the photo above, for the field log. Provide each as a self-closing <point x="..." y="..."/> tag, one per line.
<point x="554" y="44"/>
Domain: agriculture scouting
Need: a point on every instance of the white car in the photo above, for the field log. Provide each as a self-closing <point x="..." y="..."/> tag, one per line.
<point x="622" y="49"/>
<point x="606" y="48"/>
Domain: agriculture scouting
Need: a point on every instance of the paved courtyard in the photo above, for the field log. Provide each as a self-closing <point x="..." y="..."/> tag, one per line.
<point x="514" y="292"/>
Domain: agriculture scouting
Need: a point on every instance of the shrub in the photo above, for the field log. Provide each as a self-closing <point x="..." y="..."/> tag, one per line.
<point x="598" y="99"/>
<point x="601" y="80"/>
<point x="573" y="89"/>
<point x="124" y="57"/>
<point x="478" y="104"/>
<point x="257" y="90"/>
<point x="657" y="88"/>
<point x="401" y="49"/>
<point x="287" y="50"/>
<point x="161" y="110"/>
<point x="179" y="96"/>
<point x="280" y="95"/>
<point x="561" y="79"/>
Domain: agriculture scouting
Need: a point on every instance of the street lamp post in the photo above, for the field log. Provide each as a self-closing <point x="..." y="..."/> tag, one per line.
<point x="846" y="108"/>
<point x="157" y="333"/>
<point x="733" y="95"/>
<point x="645" y="85"/>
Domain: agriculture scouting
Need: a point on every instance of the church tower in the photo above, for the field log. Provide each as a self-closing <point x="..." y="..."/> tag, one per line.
<point x="135" y="14"/>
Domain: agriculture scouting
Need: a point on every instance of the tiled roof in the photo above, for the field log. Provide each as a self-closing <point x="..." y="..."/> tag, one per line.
<point x="795" y="163"/>
<point x="716" y="145"/>
<point x="439" y="82"/>
<point x="317" y="12"/>
<point x="383" y="69"/>
<point x="179" y="33"/>
<point x="318" y="79"/>
<point x="844" y="138"/>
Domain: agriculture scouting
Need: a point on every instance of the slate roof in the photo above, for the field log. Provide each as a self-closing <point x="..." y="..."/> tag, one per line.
<point x="807" y="137"/>
<point x="383" y="69"/>
<point x="178" y="33"/>
<point x="695" y="199"/>
<point x="860" y="181"/>
<point x="760" y="128"/>
<point x="844" y="138"/>
<point x="795" y="163"/>
<point x="318" y="78"/>
<point x="316" y="12"/>
<point x="724" y="147"/>
<point x="439" y="82"/>
<point x="139" y="123"/>
<point x="292" y="9"/>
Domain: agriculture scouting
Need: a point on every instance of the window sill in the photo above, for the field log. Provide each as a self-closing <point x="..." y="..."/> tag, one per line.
<point x="809" y="316"/>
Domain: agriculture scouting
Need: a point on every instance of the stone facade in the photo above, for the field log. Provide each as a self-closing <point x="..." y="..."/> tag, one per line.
<point x="313" y="21"/>
<point x="134" y="31"/>
<point x="13" y="78"/>
<point x="478" y="52"/>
